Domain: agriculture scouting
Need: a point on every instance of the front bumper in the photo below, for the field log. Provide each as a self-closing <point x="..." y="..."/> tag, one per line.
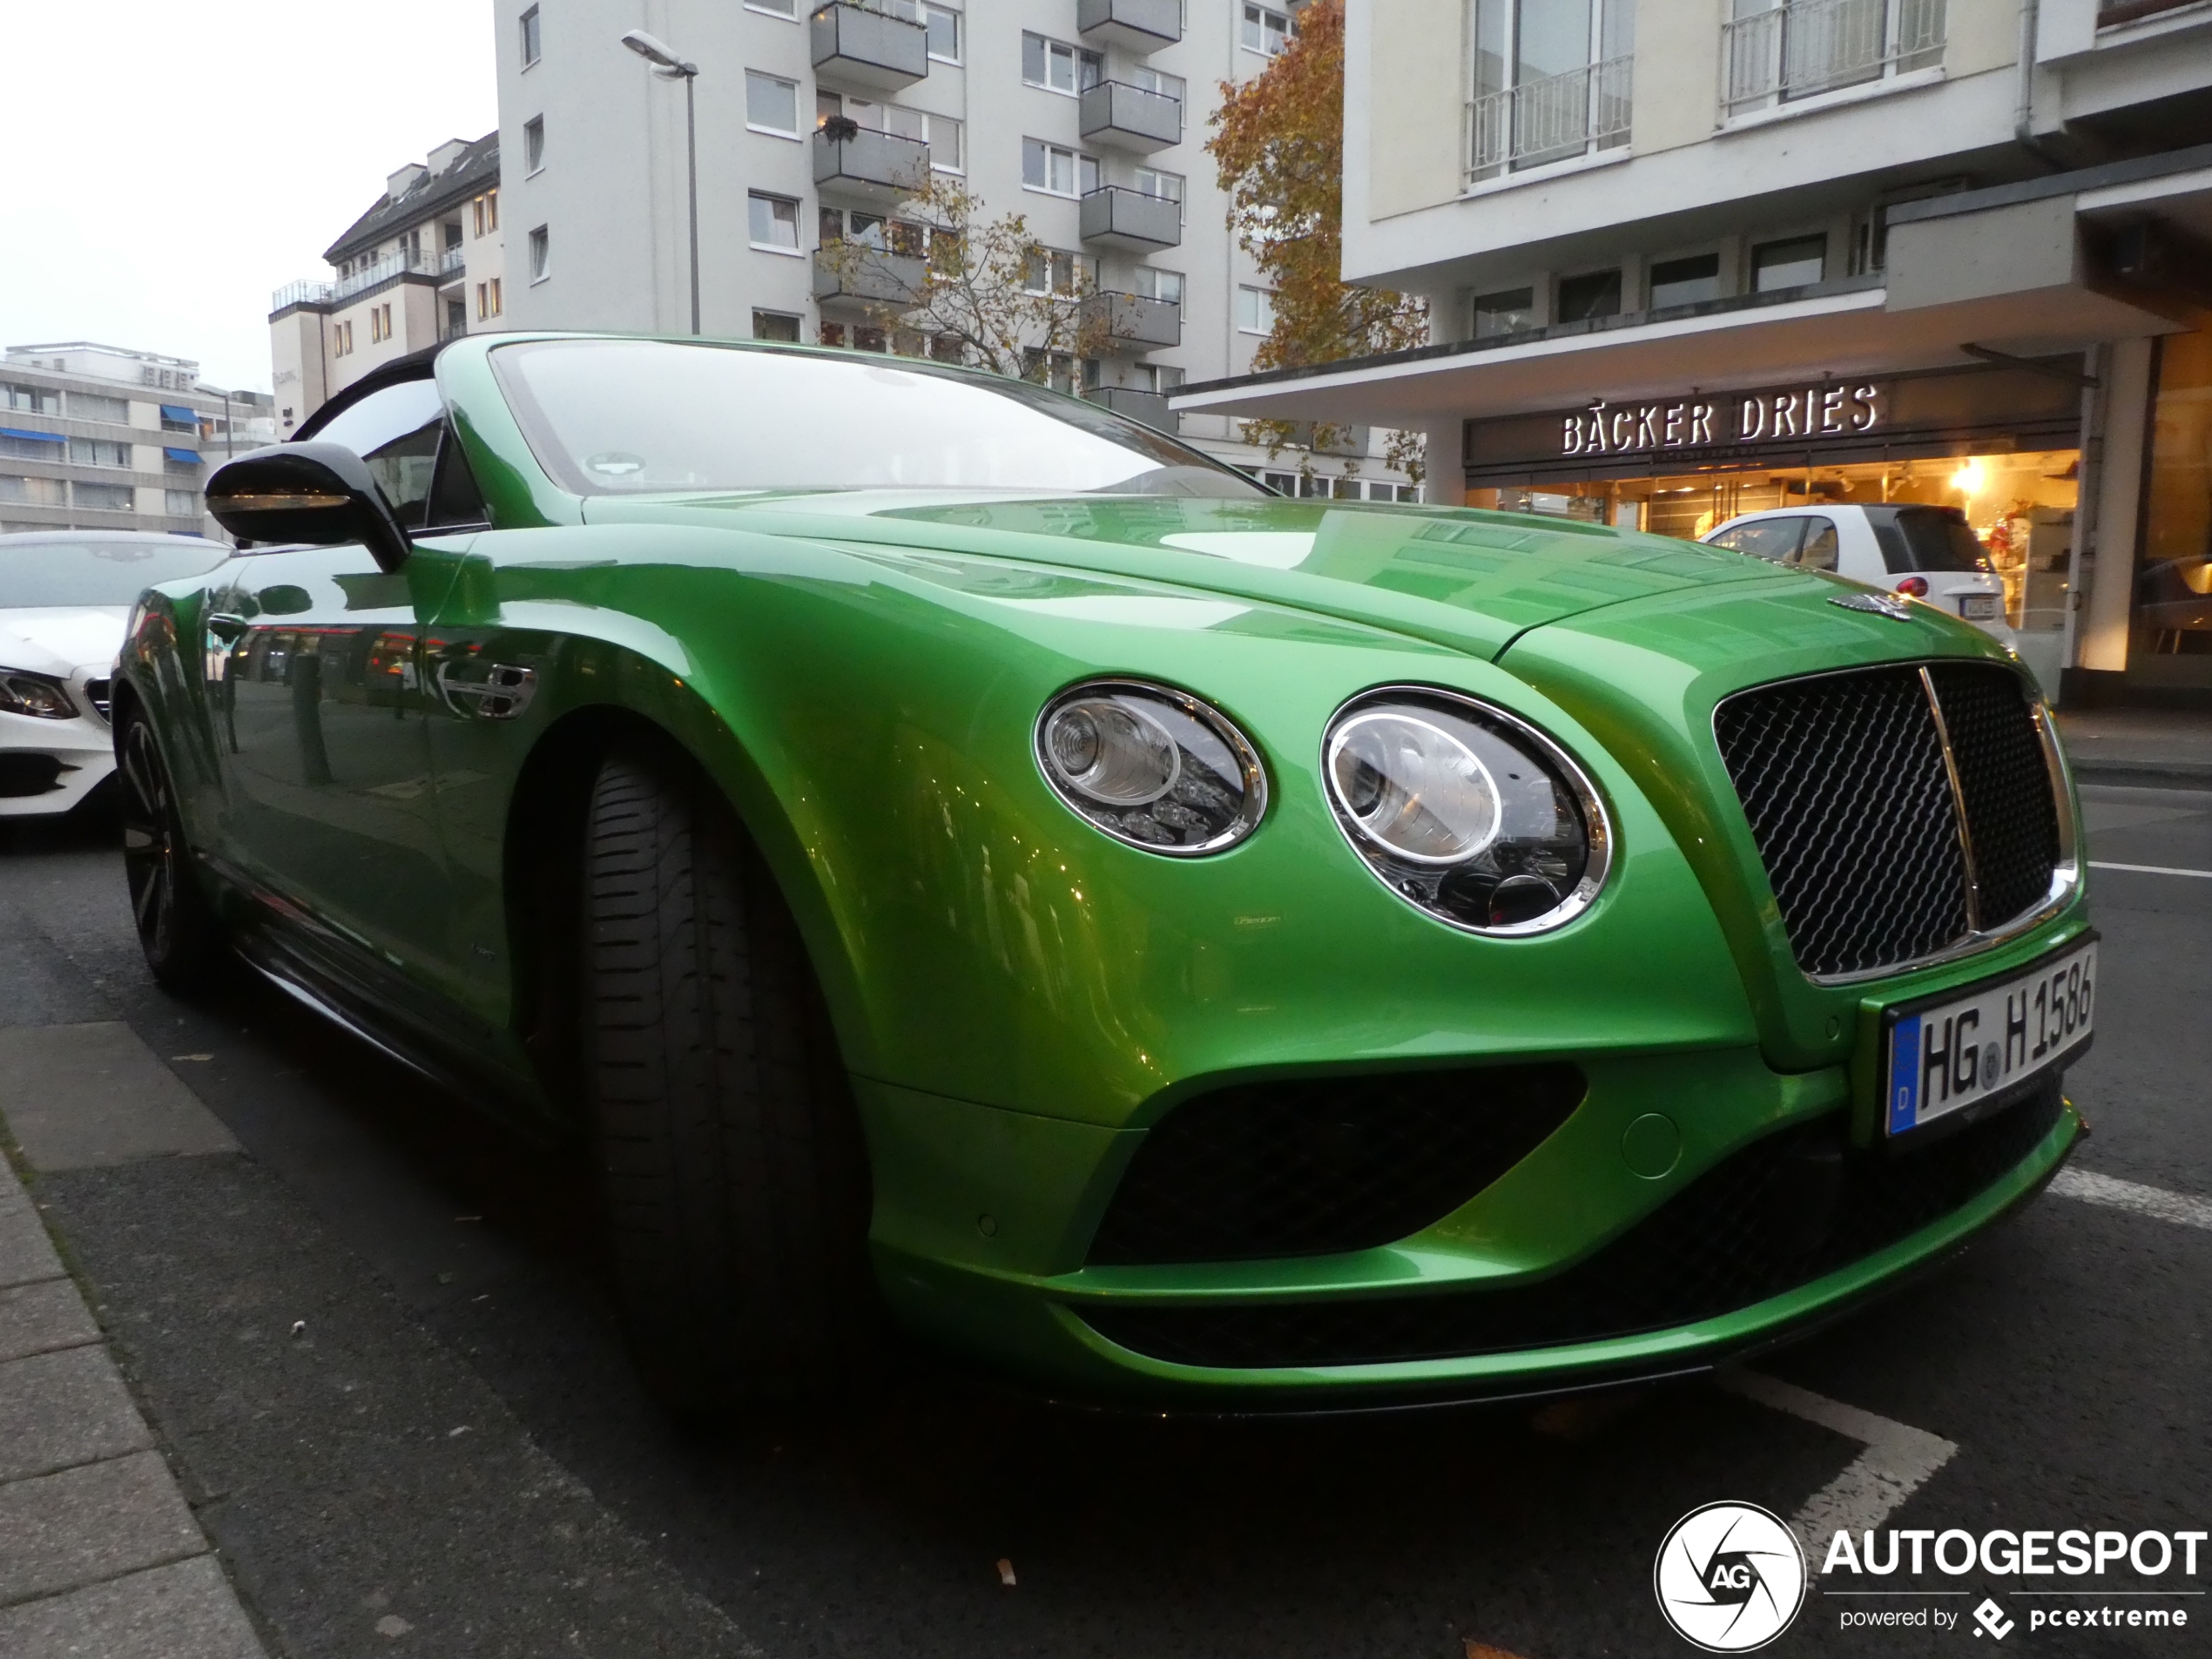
<point x="983" y="1218"/>
<point x="49" y="766"/>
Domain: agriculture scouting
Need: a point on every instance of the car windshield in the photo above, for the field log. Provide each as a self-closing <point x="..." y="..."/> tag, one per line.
<point x="96" y="573"/>
<point x="1938" y="538"/>
<point x="645" y="416"/>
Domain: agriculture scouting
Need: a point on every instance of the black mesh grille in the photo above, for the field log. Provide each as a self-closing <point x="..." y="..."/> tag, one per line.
<point x="1842" y="781"/>
<point x="1327" y="1164"/>
<point x="1780" y="1213"/>
<point x="2012" y="815"/>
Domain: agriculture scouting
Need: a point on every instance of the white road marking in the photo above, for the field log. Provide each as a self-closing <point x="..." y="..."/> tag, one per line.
<point x="1899" y="1458"/>
<point x="2150" y="869"/>
<point x="2132" y="1195"/>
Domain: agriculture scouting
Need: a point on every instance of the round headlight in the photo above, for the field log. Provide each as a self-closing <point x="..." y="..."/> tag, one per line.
<point x="1151" y="766"/>
<point x="1466" y="811"/>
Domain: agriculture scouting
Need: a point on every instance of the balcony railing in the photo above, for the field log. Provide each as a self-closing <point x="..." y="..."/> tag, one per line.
<point x="867" y="275"/>
<point x="452" y="259"/>
<point x="1131" y="118"/>
<point x="1132" y="322"/>
<point x="1804" y="47"/>
<point x="1119" y="217"/>
<point x="1150" y="408"/>
<point x="1141" y="25"/>
<point x="870" y="167"/>
<point x="405" y="262"/>
<point x="881" y="47"/>
<point x="1556" y="118"/>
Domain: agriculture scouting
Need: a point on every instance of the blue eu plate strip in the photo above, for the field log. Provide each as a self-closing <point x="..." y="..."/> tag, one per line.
<point x="1904" y="1075"/>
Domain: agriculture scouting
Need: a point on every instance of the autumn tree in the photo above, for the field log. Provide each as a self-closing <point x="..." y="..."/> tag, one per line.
<point x="978" y="288"/>
<point x="1278" y="146"/>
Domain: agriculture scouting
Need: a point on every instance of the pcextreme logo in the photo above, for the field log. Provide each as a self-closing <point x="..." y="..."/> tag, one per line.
<point x="1729" y="1577"/>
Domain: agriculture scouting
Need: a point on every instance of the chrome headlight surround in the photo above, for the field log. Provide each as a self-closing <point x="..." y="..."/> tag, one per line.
<point x="1473" y="849"/>
<point x="1152" y="767"/>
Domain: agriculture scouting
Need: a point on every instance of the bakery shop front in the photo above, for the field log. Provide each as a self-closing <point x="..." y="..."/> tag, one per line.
<point x="2002" y="443"/>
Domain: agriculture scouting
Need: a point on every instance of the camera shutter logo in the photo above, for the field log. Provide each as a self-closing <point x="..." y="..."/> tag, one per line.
<point x="1731" y="1577"/>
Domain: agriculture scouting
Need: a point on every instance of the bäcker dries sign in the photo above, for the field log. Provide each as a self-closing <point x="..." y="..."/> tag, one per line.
<point x="1700" y="422"/>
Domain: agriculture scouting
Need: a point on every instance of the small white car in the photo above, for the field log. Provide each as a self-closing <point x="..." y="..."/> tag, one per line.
<point x="1925" y="552"/>
<point x="65" y="597"/>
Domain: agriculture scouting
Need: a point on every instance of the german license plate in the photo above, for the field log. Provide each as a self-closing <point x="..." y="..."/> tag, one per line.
<point x="1977" y="607"/>
<point x="1945" y="1055"/>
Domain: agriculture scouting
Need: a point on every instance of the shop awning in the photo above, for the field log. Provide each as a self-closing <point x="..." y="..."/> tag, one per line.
<point x="35" y="437"/>
<point x="190" y="457"/>
<point x="179" y="412"/>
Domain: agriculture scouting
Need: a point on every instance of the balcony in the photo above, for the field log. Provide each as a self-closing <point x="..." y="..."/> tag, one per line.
<point x="1140" y="26"/>
<point x="877" y="168"/>
<point x="1128" y="118"/>
<point x="403" y="262"/>
<point x="1130" y="322"/>
<point x="1801" y="48"/>
<point x="1119" y="217"/>
<point x="1150" y="408"/>
<point x="858" y="45"/>
<point x="451" y="260"/>
<point x="1556" y="118"/>
<point x="859" y="274"/>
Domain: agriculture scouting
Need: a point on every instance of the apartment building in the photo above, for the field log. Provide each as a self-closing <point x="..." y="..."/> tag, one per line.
<point x="1087" y="116"/>
<point x="1689" y="258"/>
<point x="423" y="263"/>
<point x="97" y="437"/>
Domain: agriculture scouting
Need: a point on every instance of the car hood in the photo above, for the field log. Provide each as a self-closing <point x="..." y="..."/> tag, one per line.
<point x="60" y="639"/>
<point x="1460" y="576"/>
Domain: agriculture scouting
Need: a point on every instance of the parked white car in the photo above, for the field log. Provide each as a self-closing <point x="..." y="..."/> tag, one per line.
<point x="1924" y="552"/>
<point x="65" y="596"/>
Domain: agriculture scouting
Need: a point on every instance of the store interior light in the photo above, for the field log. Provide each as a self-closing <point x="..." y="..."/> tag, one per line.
<point x="1968" y="480"/>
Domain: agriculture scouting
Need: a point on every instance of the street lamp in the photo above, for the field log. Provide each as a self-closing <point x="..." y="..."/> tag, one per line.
<point x="669" y="67"/>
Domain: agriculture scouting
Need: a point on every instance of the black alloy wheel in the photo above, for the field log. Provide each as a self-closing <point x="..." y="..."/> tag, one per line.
<point x="178" y="932"/>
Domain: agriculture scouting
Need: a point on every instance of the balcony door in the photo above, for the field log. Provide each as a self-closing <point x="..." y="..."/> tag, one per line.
<point x="1551" y="81"/>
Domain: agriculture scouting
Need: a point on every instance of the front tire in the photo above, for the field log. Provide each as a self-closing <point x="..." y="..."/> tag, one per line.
<point x="736" y="1181"/>
<point x="183" y="939"/>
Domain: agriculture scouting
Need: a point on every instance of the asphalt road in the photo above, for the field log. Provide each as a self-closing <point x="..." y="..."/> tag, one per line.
<point x="450" y="1456"/>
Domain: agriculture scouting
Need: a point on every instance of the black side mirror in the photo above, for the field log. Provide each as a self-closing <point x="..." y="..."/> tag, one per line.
<point x="321" y="494"/>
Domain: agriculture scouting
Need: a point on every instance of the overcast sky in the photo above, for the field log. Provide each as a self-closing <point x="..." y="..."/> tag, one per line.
<point x="173" y="162"/>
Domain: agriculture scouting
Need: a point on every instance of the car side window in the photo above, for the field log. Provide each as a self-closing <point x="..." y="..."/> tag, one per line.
<point x="1769" y="538"/>
<point x="395" y="430"/>
<point x="1819" y="552"/>
<point x="455" y="499"/>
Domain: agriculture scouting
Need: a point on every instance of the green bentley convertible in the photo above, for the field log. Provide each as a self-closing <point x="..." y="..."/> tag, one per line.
<point x="960" y="858"/>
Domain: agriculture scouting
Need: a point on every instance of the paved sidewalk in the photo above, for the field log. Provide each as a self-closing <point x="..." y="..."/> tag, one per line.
<point x="2162" y="747"/>
<point x="100" y="1555"/>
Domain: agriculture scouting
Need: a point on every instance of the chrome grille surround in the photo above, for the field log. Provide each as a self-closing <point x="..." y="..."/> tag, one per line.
<point x="1850" y="922"/>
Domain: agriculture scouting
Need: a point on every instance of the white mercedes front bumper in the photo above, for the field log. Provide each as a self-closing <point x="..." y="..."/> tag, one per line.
<point x="49" y="766"/>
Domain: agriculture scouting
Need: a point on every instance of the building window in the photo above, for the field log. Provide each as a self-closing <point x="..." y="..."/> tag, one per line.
<point x="771" y="104"/>
<point x="1147" y="79"/>
<point x="1792" y="264"/>
<point x="1594" y="293"/>
<point x="1551" y="81"/>
<point x="34" y="492"/>
<point x="342" y="339"/>
<point x="487" y="300"/>
<point x="775" y="8"/>
<point x="1167" y="187"/>
<point x="774" y="221"/>
<point x="1160" y="378"/>
<point x="90" y="405"/>
<point x="832" y="333"/>
<point x="531" y="41"/>
<point x="180" y="503"/>
<point x="1255" y="311"/>
<point x="101" y="498"/>
<point x="775" y="325"/>
<point x="1507" y="312"/>
<point x="31" y="400"/>
<point x="1265" y="32"/>
<point x="533" y="144"/>
<point x="98" y="452"/>
<point x="941" y="133"/>
<point x="1050" y="271"/>
<point x="1780" y="49"/>
<point x="1155" y="284"/>
<point x="379" y="323"/>
<point x="486" y="208"/>
<point x="1057" y="172"/>
<point x="944" y="33"/>
<point x="1685" y="282"/>
<point x="1059" y="67"/>
<point x="541" y="253"/>
<point x="1061" y="371"/>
